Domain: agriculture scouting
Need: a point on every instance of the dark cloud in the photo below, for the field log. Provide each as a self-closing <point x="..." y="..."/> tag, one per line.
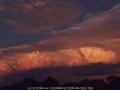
<point x="99" y="24"/>
<point x="33" y="16"/>
<point x="85" y="70"/>
<point x="93" y="31"/>
<point x="61" y="73"/>
<point x="95" y="69"/>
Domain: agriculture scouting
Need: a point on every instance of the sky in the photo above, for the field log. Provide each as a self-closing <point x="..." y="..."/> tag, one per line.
<point x="67" y="39"/>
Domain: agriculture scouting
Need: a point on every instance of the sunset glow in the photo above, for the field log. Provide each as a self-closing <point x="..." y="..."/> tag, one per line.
<point x="59" y="38"/>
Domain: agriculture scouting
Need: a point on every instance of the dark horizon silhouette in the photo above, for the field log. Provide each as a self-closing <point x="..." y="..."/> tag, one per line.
<point x="50" y="83"/>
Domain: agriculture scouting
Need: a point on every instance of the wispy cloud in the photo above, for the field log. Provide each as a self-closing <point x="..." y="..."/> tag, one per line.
<point x="33" y="16"/>
<point x="105" y="24"/>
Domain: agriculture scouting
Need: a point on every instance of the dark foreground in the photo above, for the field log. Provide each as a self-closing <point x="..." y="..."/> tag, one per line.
<point x="50" y="83"/>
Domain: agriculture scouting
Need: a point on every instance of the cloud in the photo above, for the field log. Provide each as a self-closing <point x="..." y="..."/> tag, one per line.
<point x="65" y="57"/>
<point x="53" y="44"/>
<point x="94" y="69"/>
<point x="98" y="26"/>
<point x="114" y="40"/>
<point x="62" y="73"/>
<point x="1" y="8"/>
<point x="33" y="16"/>
<point x="11" y="54"/>
<point x="74" y="57"/>
<point x="33" y="60"/>
<point x="26" y="62"/>
<point x="87" y="55"/>
<point x="93" y="31"/>
<point x="75" y="62"/>
<point x="104" y="21"/>
<point x="4" y="69"/>
<point x="94" y="55"/>
<point x="82" y="45"/>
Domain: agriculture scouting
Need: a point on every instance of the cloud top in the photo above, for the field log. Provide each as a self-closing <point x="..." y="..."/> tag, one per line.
<point x="33" y="60"/>
<point x="77" y="57"/>
<point x="94" y="54"/>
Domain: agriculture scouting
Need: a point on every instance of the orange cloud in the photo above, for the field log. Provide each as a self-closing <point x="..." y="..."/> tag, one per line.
<point x="94" y="54"/>
<point x="33" y="60"/>
<point x="114" y="40"/>
<point x="74" y="57"/>
<point x="75" y="62"/>
<point x="87" y="55"/>
<point x="4" y="69"/>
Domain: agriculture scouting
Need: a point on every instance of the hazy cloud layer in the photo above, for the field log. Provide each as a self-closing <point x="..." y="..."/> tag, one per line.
<point x="94" y="31"/>
<point x="32" y="16"/>
<point x="104" y="25"/>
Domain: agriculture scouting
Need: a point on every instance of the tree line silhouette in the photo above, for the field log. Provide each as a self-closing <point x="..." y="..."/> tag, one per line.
<point x="112" y="83"/>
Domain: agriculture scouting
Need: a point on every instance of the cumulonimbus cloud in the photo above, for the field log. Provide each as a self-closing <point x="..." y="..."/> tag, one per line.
<point x="83" y="56"/>
<point x="26" y="62"/>
<point x="33" y="60"/>
<point x="94" y="54"/>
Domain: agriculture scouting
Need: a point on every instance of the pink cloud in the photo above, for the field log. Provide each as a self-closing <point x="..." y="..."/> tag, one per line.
<point x="76" y="57"/>
<point x="4" y="69"/>
<point x="94" y="55"/>
<point x="33" y="60"/>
